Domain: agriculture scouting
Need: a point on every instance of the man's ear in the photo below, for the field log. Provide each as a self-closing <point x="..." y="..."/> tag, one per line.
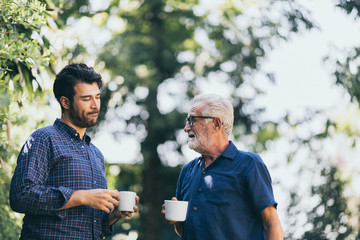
<point x="218" y="123"/>
<point x="65" y="102"/>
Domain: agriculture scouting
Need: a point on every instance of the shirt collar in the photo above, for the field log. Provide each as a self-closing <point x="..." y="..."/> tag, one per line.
<point x="71" y="132"/>
<point x="230" y="151"/>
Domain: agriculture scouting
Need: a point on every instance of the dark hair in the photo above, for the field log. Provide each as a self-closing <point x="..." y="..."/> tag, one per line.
<point x="72" y="74"/>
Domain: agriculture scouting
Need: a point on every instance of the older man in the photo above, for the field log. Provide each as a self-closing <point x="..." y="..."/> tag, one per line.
<point x="229" y="191"/>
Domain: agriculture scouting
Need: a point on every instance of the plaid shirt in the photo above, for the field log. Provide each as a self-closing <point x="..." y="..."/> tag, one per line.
<point x="52" y="164"/>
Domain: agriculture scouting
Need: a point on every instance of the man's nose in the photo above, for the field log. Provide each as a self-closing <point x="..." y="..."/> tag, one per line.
<point x="187" y="126"/>
<point x="95" y="103"/>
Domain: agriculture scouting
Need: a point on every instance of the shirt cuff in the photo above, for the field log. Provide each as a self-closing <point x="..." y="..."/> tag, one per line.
<point x="106" y="229"/>
<point x="66" y="193"/>
<point x="268" y="204"/>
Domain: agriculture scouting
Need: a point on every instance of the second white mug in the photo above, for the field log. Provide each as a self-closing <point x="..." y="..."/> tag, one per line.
<point x="175" y="210"/>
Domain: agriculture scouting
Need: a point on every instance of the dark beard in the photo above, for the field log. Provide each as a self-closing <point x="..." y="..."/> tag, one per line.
<point x="80" y="120"/>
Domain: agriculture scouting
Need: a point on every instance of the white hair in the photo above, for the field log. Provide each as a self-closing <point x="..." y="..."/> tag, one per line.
<point x="216" y="106"/>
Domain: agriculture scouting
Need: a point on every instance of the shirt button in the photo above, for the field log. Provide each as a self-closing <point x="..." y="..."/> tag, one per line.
<point x="194" y="209"/>
<point x="82" y="146"/>
<point x="94" y="181"/>
<point x="94" y="221"/>
<point x="199" y="190"/>
<point x="203" y="172"/>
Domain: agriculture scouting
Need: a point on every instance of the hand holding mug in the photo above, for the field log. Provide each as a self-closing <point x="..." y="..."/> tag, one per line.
<point x="173" y="211"/>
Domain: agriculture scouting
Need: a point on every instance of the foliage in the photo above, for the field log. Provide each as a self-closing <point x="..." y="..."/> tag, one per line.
<point x="22" y="48"/>
<point x="347" y="70"/>
<point x="9" y="228"/>
<point x="267" y="133"/>
<point x="24" y="52"/>
<point x="161" y="47"/>
<point x="348" y="6"/>
<point x="347" y="73"/>
<point x="321" y="207"/>
<point x="331" y="215"/>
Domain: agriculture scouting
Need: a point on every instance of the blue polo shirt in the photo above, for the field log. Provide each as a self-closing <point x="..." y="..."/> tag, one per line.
<point x="227" y="197"/>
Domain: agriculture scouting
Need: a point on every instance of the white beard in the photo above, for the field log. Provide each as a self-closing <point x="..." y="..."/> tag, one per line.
<point x="199" y="142"/>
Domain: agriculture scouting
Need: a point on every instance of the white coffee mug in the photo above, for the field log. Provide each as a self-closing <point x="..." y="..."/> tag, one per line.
<point x="175" y="210"/>
<point x="127" y="201"/>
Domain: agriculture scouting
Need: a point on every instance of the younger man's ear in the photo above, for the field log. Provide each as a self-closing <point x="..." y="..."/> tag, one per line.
<point x="65" y="102"/>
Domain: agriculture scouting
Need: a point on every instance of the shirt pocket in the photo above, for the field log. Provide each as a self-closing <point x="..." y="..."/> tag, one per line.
<point x="219" y="189"/>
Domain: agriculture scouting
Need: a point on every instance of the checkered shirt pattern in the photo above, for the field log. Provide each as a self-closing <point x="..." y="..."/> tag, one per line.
<point x="52" y="164"/>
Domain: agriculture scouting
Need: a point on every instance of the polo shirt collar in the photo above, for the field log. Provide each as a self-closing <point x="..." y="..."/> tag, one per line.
<point x="71" y="132"/>
<point x="230" y="151"/>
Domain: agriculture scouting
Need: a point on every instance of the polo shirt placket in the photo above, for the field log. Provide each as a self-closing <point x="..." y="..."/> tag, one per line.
<point x="192" y="212"/>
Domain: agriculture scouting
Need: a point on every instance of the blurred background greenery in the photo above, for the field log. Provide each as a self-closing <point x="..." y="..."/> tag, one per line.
<point x="152" y="55"/>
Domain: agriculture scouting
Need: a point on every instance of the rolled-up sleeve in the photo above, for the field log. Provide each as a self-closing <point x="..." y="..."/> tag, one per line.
<point x="106" y="229"/>
<point x="28" y="192"/>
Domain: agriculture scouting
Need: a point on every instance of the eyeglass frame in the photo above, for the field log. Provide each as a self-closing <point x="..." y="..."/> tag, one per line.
<point x="190" y="119"/>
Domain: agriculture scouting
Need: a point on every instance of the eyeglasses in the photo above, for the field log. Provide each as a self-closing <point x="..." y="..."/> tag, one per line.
<point x="190" y="119"/>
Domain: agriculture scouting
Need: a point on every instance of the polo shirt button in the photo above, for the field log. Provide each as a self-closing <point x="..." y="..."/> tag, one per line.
<point x="195" y="208"/>
<point x="203" y="172"/>
<point x="199" y="190"/>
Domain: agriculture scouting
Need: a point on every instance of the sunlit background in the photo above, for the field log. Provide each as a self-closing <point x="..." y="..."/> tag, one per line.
<point x="292" y="108"/>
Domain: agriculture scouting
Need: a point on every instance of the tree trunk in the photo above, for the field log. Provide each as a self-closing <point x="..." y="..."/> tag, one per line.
<point x="151" y="199"/>
<point x="152" y="177"/>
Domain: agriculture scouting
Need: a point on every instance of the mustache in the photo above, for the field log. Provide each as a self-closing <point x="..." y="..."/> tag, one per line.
<point x="94" y="112"/>
<point x="191" y="133"/>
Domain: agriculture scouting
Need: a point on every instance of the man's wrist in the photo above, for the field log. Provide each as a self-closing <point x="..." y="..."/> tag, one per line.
<point x="78" y="197"/>
<point x="112" y="218"/>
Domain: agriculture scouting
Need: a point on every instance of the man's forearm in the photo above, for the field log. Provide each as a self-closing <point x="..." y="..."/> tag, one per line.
<point x="271" y="224"/>
<point x="275" y="233"/>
